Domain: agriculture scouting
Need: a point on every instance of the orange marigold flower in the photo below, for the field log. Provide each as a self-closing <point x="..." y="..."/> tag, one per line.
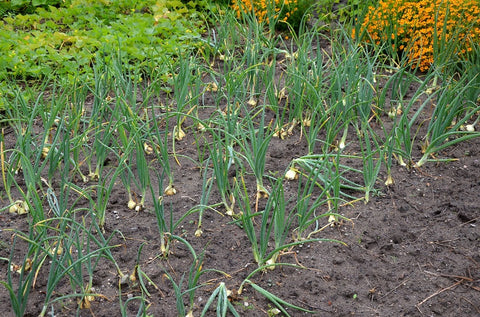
<point x="422" y="24"/>
<point x="279" y="9"/>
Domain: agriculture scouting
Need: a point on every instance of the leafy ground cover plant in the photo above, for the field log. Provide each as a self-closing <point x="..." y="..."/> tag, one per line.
<point x="64" y="41"/>
<point x="27" y="6"/>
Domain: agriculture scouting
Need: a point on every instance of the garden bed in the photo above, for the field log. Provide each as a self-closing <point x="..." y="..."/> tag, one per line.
<point x="405" y="248"/>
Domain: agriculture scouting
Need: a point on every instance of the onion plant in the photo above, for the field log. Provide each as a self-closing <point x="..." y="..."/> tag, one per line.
<point x="162" y="221"/>
<point x="259" y="243"/>
<point x="314" y="115"/>
<point x="166" y="223"/>
<point x="127" y="142"/>
<point x="192" y="281"/>
<point x="254" y="139"/>
<point x="19" y="288"/>
<point x="310" y="202"/>
<point x="278" y="302"/>
<point x="226" y="38"/>
<point x="305" y="82"/>
<point x="138" y="278"/>
<point x="327" y="119"/>
<point x="332" y="176"/>
<point x="385" y="147"/>
<point x="105" y="185"/>
<point x="101" y="131"/>
<point x="275" y="224"/>
<point x="274" y="103"/>
<point x="76" y="250"/>
<point x="160" y="141"/>
<point x="67" y="254"/>
<point x="63" y="263"/>
<point x="452" y="111"/>
<point x="372" y="158"/>
<point x="409" y="124"/>
<point x="222" y="156"/>
<point x="223" y="303"/>
<point x="133" y="129"/>
<point x="77" y="126"/>
<point x="7" y="174"/>
<point x="392" y="99"/>
<point x="350" y="90"/>
<point x="29" y="154"/>
<point x="182" y="82"/>
<point x="455" y="106"/>
<point x="363" y="106"/>
<point x="142" y="169"/>
<point x="281" y="304"/>
<point x="54" y="134"/>
<point x="104" y="188"/>
<point x="207" y="185"/>
<point x="32" y="199"/>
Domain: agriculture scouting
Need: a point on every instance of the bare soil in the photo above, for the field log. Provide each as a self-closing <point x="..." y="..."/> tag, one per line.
<point x="413" y="250"/>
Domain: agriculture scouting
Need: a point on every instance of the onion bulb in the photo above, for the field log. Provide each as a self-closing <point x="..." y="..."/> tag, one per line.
<point x="332" y="220"/>
<point x="212" y="86"/>
<point x="389" y="180"/>
<point x="179" y="133"/>
<point x="170" y="190"/>
<point x="281" y="133"/>
<point x="147" y="148"/>
<point x="252" y="102"/>
<point x="201" y="127"/>
<point x="132" y="204"/>
<point x="291" y="174"/>
<point x="281" y="94"/>
<point x="19" y="207"/>
<point x="307" y="122"/>
<point x="270" y="263"/>
<point x="45" y="151"/>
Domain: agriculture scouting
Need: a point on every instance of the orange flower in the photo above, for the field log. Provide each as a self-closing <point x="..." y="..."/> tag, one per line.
<point x="281" y="9"/>
<point x="420" y="24"/>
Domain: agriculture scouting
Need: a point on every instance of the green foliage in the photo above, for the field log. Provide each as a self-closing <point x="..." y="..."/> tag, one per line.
<point x="27" y="6"/>
<point x="64" y="41"/>
<point x="302" y="12"/>
<point x="260" y="90"/>
<point x="353" y="9"/>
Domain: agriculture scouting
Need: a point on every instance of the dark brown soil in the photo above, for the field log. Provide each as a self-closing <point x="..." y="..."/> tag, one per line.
<point x="413" y="250"/>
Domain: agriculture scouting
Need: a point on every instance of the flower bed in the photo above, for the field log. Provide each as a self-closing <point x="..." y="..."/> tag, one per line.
<point x="424" y="29"/>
